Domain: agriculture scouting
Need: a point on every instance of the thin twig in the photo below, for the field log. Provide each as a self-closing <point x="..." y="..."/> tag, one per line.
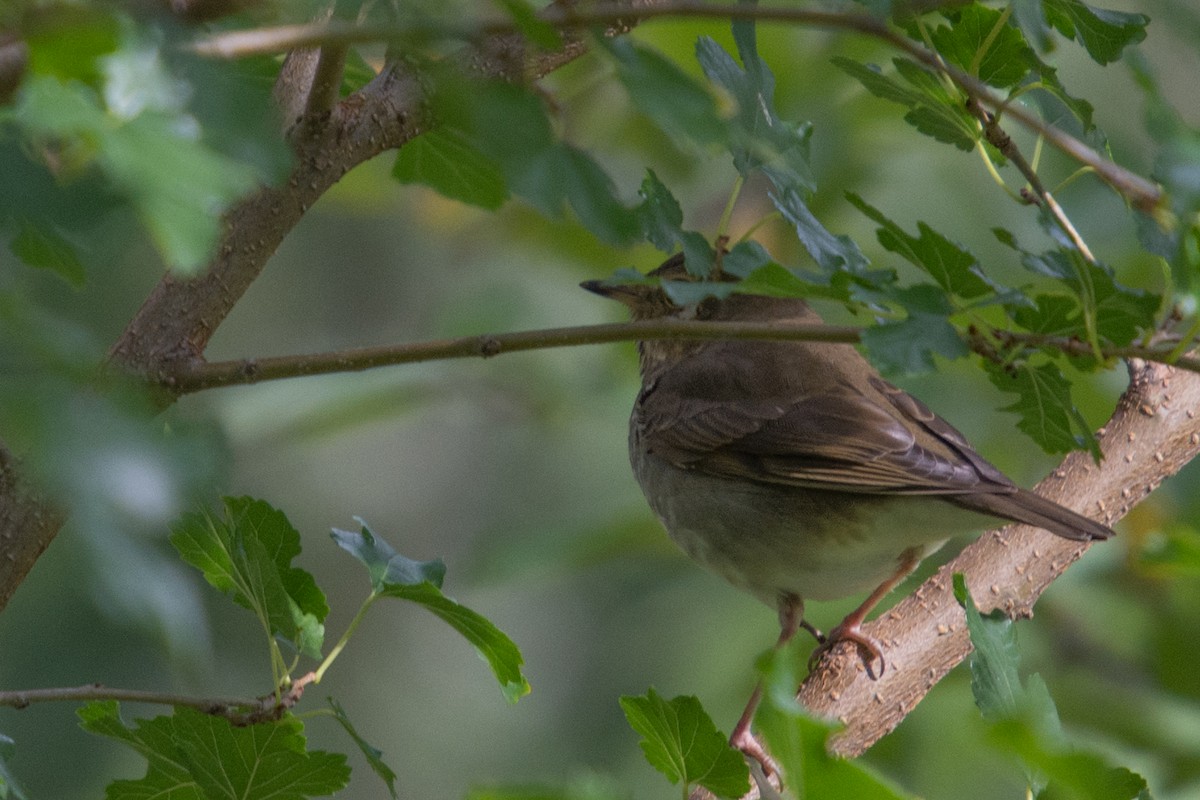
<point x="98" y="691"/>
<point x="1144" y="195"/>
<point x="198" y="376"/>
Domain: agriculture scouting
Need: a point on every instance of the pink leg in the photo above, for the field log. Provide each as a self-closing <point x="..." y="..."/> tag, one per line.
<point x="791" y="619"/>
<point x="850" y="629"/>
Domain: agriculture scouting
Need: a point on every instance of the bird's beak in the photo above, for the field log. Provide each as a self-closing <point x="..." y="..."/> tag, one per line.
<point x="627" y="293"/>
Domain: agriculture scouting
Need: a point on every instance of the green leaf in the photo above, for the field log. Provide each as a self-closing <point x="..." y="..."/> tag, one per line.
<point x="1103" y="33"/>
<point x="680" y="740"/>
<point x="195" y="756"/>
<point x="248" y="555"/>
<point x="832" y="253"/>
<point x="761" y="138"/>
<point x="373" y="754"/>
<point x="444" y="161"/>
<point x="1044" y="407"/>
<point x="179" y="186"/>
<point x="1031" y="18"/>
<point x="393" y="575"/>
<point x="955" y="269"/>
<point x="666" y="94"/>
<point x="69" y="42"/>
<point x="592" y="196"/>
<point x="385" y="566"/>
<point x="9" y="788"/>
<point x="44" y="247"/>
<point x="534" y="28"/>
<point x="934" y="111"/>
<point x="910" y="345"/>
<point x="659" y="213"/>
<point x="982" y="44"/>
<point x="797" y="742"/>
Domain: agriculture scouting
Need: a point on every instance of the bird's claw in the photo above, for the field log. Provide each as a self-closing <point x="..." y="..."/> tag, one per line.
<point x="868" y="647"/>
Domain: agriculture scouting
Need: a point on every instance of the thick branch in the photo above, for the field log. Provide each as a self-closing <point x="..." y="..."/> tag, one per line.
<point x="1153" y="433"/>
<point x="27" y="526"/>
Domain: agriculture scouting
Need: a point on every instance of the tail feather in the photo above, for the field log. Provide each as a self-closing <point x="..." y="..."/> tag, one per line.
<point x="1032" y="509"/>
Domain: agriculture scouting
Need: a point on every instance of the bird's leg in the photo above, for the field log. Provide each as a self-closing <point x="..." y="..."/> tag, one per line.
<point x="850" y="629"/>
<point x="791" y="619"/>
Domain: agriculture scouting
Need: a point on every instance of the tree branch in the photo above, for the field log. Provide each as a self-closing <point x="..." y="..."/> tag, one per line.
<point x="195" y="376"/>
<point x="1154" y="432"/>
<point x="1144" y="195"/>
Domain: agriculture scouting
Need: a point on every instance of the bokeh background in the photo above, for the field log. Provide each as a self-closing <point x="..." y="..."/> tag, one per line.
<point x="513" y="470"/>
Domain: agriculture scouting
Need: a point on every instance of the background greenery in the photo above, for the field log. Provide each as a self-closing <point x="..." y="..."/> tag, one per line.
<point x="513" y="470"/>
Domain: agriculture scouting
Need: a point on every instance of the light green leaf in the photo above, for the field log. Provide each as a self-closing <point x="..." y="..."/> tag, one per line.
<point x="980" y="42"/>
<point x="247" y="554"/>
<point x="44" y="247"/>
<point x="680" y="740"/>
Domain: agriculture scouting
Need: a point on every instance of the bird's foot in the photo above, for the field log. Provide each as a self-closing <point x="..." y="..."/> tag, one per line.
<point x="744" y="740"/>
<point x="851" y="631"/>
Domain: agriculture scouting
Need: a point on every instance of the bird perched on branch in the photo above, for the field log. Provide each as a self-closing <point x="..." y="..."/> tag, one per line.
<point x="793" y="470"/>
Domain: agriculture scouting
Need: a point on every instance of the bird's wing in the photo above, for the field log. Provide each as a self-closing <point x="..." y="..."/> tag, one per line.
<point x="874" y="438"/>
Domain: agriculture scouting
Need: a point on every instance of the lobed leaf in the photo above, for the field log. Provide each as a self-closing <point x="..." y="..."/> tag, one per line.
<point x="444" y="161"/>
<point x="247" y="554"/>
<point x="680" y="740"/>
<point x="1044" y="407"/>
<point x="196" y="756"/>
<point x="373" y="754"/>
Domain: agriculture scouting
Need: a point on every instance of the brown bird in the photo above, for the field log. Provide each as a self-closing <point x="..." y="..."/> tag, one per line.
<point x="793" y="470"/>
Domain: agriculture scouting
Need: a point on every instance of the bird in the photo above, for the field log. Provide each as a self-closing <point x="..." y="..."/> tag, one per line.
<point x="793" y="470"/>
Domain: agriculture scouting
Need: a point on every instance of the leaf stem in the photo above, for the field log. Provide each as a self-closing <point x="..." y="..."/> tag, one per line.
<point x="341" y="643"/>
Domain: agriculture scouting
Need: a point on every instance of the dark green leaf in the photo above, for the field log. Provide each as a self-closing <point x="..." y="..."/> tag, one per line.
<point x="995" y="681"/>
<point x="660" y="215"/>
<point x="385" y="566"/>
<point x="356" y="74"/>
<point x="373" y="754"/>
<point x="501" y="654"/>
<point x="1068" y="774"/>
<point x="954" y="269"/>
<point x="745" y="258"/>
<point x="762" y="139"/>
<point x="1044" y="407"/>
<point x="681" y="741"/>
<point x="1051" y="314"/>
<point x="393" y="575"/>
<point x="981" y="43"/>
<point x="666" y="94"/>
<point x="248" y="555"/>
<point x="44" y="247"/>
<point x="593" y="198"/>
<point x="944" y="124"/>
<point x="910" y="345"/>
<point x="1103" y="33"/>
<point x="832" y="253"/>
<point x="443" y="160"/>
<point x="195" y="756"/>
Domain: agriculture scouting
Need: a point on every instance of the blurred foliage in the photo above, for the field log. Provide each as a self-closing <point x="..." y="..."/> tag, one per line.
<point x="121" y="148"/>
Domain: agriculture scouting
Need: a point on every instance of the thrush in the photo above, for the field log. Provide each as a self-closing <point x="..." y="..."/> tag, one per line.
<point x="794" y="470"/>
